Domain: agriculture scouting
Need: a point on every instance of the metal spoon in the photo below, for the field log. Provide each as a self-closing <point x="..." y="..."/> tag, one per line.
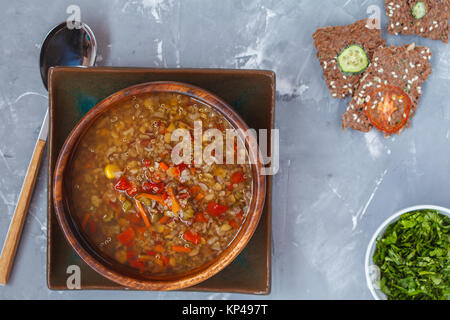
<point x="63" y="46"/>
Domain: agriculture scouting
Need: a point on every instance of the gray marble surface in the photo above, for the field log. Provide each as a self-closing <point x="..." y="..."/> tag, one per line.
<point x="333" y="189"/>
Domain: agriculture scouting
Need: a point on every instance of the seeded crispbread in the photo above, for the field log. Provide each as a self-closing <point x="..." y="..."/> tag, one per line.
<point x="329" y="42"/>
<point x="406" y="67"/>
<point x="433" y="25"/>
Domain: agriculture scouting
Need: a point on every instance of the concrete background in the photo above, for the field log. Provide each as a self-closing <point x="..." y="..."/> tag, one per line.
<point x="333" y="189"/>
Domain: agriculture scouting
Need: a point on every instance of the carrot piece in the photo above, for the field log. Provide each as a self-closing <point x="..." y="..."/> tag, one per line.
<point x="233" y="224"/>
<point x="175" y="205"/>
<point x="142" y="212"/>
<point x="141" y="230"/>
<point x="163" y="166"/>
<point x="194" y="190"/>
<point x="163" y="219"/>
<point x="157" y="198"/>
<point x="143" y="257"/>
<point x="181" y="249"/>
<point x="239" y="216"/>
<point x="199" y="196"/>
<point x="173" y="172"/>
<point x="159" y="248"/>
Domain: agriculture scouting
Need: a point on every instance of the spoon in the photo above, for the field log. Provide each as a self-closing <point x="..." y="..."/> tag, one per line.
<point x="63" y="46"/>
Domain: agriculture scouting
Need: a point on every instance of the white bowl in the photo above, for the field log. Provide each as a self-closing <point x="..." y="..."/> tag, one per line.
<point x="372" y="271"/>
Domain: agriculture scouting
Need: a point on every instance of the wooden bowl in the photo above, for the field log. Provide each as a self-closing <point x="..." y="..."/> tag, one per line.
<point x="110" y="268"/>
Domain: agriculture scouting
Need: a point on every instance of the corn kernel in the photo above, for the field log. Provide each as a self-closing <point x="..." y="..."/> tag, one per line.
<point x="111" y="170"/>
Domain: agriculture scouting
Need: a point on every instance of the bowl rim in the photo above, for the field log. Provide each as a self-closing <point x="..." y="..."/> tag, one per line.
<point x="380" y="230"/>
<point x="208" y="269"/>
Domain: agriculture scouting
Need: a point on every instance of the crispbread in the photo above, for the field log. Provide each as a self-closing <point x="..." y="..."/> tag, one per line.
<point x="433" y="25"/>
<point x="329" y="42"/>
<point x="406" y="67"/>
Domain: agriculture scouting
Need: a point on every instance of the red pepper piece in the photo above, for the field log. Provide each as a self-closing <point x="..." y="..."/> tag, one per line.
<point x="236" y="178"/>
<point x="192" y="237"/>
<point x="216" y="209"/>
<point x="122" y="184"/>
<point x="145" y="142"/>
<point x="165" y="260"/>
<point x="137" y="265"/>
<point x="199" y="217"/>
<point x="233" y="224"/>
<point x="126" y="236"/>
<point x="184" y="195"/>
<point x="92" y="227"/>
<point x="156" y="188"/>
<point x="146" y="163"/>
<point x="181" y="166"/>
<point x="132" y="191"/>
<point x="131" y="255"/>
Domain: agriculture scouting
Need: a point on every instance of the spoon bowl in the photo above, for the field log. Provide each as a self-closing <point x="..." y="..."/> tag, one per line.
<point x="64" y="46"/>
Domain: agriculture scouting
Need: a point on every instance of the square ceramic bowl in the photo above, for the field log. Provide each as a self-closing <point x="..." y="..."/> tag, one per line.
<point x="73" y="91"/>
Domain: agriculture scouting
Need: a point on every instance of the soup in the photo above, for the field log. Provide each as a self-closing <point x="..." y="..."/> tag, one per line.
<point x="140" y="208"/>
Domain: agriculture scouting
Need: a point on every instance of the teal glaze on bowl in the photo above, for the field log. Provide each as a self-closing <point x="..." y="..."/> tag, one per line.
<point x="86" y="103"/>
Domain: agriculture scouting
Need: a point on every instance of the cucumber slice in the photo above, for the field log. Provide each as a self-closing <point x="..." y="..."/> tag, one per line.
<point x="419" y="10"/>
<point x="353" y="59"/>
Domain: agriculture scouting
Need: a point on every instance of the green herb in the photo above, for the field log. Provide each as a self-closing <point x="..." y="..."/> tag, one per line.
<point x="414" y="257"/>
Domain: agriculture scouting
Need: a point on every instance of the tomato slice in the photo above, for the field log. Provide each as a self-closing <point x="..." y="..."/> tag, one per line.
<point x="388" y="108"/>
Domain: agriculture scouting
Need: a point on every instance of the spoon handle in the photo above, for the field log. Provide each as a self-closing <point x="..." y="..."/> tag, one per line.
<point x="15" y="229"/>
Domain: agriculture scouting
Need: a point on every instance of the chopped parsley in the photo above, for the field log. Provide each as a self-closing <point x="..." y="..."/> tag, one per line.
<point x="413" y="255"/>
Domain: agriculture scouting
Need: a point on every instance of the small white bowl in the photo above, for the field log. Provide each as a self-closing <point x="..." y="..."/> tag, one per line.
<point x="372" y="271"/>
